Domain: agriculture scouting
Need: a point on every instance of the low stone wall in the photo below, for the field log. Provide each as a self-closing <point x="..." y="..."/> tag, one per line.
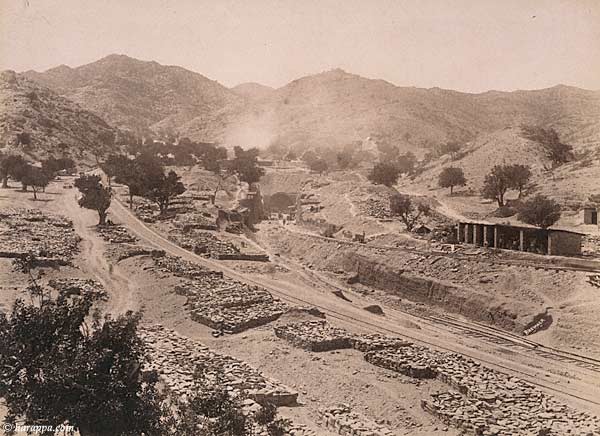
<point x="485" y="401"/>
<point x="175" y="358"/>
<point x="314" y="336"/>
<point x="219" y="302"/>
<point x="342" y="420"/>
<point x="243" y="256"/>
<point x="47" y="236"/>
<point x="115" y="234"/>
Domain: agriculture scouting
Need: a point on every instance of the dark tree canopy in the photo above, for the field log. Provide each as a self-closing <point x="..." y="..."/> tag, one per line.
<point x="518" y="176"/>
<point x="162" y="189"/>
<point x="318" y="166"/>
<point x="115" y="165"/>
<point x="55" y="369"/>
<point x="384" y="174"/>
<point x="451" y="148"/>
<point x="245" y="165"/>
<point x="94" y="195"/>
<point x="345" y="159"/>
<point x="451" y="177"/>
<point x="496" y="184"/>
<point x="540" y="211"/>
<point x="35" y="177"/>
<point x="9" y="166"/>
<point x="409" y="212"/>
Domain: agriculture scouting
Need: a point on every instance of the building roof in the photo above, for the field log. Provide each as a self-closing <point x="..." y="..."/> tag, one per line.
<point x="523" y="227"/>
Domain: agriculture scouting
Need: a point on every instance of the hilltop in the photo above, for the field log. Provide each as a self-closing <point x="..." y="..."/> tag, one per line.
<point x="331" y="108"/>
<point x="141" y="96"/>
<point x="36" y="121"/>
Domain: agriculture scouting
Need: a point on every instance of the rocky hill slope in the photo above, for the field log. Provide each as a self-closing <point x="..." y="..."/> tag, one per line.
<point x="140" y="96"/>
<point x="36" y="121"/>
<point x="331" y="108"/>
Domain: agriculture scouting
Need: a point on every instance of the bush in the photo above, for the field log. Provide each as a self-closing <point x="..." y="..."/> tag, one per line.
<point x="540" y="211"/>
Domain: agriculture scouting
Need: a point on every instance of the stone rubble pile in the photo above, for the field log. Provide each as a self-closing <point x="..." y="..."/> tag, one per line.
<point x="120" y="252"/>
<point x="116" y="234"/>
<point x="318" y="335"/>
<point x="77" y="286"/>
<point x="344" y="421"/>
<point x="375" y="207"/>
<point x="203" y="243"/>
<point x="47" y="236"/>
<point x="485" y="402"/>
<point x="314" y="336"/>
<point x="594" y="280"/>
<point x="175" y="358"/>
<point x="182" y="268"/>
<point x="219" y="302"/>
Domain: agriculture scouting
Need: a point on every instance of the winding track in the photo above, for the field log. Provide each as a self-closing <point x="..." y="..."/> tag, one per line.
<point x="352" y="315"/>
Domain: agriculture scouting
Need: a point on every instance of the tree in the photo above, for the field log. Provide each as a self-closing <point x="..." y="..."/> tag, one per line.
<point x="52" y="166"/>
<point x="401" y="205"/>
<point x="133" y="178"/>
<point x="451" y="177"/>
<point x="94" y="196"/>
<point x="9" y="165"/>
<point x="319" y="166"/>
<point x="309" y="156"/>
<point x="451" y="147"/>
<point x="540" y="211"/>
<point x="245" y="165"/>
<point x="518" y="176"/>
<point x="35" y="177"/>
<point x="344" y="159"/>
<point x="19" y="172"/>
<point x="161" y="190"/>
<point x="384" y="174"/>
<point x="496" y="184"/>
<point x="406" y="163"/>
<point x="56" y="368"/>
<point x="114" y="165"/>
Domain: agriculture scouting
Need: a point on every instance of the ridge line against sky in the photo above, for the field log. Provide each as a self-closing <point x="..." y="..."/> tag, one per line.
<point x="308" y="74"/>
<point x="464" y="45"/>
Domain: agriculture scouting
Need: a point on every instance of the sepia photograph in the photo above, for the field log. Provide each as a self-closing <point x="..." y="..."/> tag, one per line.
<point x="300" y="218"/>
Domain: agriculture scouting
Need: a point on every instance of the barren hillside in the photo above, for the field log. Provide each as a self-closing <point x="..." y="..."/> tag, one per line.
<point x="330" y="108"/>
<point x="36" y="121"/>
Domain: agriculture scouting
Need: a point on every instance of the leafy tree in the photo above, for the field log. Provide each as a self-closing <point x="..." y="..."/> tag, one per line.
<point x="401" y="205"/>
<point x="519" y="177"/>
<point x="245" y="165"/>
<point x="496" y="184"/>
<point x="319" y="166"/>
<point x="540" y="211"/>
<point x="56" y="368"/>
<point x="19" y="171"/>
<point x="345" y="159"/>
<point x="451" y="177"/>
<point x="94" y="196"/>
<point x="52" y="166"/>
<point x="162" y="189"/>
<point x="114" y="165"/>
<point x="384" y="174"/>
<point x="451" y="147"/>
<point x="406" y="163"/>
<point x="387" y="152"/>
<point x="9" y="165"/>
<point x="35" y="177"/>
<point x="132" y="177"/>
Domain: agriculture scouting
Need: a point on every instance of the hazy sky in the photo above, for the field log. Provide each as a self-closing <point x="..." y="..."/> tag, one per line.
<point x="468" y="45"/>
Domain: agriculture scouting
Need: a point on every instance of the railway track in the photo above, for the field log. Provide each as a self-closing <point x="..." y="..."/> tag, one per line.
<point x="159" y="241"/>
